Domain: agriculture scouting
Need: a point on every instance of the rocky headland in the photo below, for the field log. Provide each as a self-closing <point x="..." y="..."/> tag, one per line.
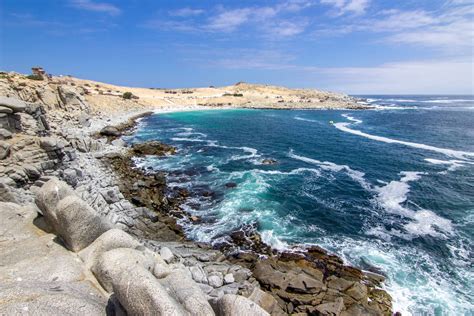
<point x="83" y="231"/>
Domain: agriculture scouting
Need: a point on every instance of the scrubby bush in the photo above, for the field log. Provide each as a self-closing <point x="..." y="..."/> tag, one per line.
<point x="127" y="95"/>
<point x="34" y="77"/>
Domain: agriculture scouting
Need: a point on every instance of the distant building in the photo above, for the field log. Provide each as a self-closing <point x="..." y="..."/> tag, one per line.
<point x="39" y="72"/>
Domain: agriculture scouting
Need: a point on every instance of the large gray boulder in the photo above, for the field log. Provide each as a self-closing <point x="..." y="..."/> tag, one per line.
<point x="14" y="104"/>
<point x="236" y="305"/>
<point x="111" y="239"/>
<point x="183" y="289"/>
<point x="50" y="298"/>
<point x="78" y="223"/>
<point x="4" y="109"/>
<point x="112" y="264"/>
<point x="140" y="293"/>
<point x="48" y="197"/>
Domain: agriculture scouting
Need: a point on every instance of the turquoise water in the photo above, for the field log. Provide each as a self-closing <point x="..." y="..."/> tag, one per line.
<point x="390" y="188"/>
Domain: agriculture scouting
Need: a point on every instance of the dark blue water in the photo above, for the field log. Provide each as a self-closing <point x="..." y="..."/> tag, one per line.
<point x="391" y="187"/>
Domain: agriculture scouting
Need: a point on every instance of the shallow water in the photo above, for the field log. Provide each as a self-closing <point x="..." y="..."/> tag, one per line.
<point x="391" y="188"/>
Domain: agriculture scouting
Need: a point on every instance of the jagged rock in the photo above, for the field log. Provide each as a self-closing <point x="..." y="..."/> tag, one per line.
<point x="5" y="134"/>
<point x="113" y="263"/>
<point x="266" y="301"/>
<point x="4" y="150"/>
<point x="166" y="254"/>
<point x="236" y="305"/>
<point x="78" y="224"/>
<point x="71" y="99"/>
<point x="14" y="104"/>
<point x="189" y="294"/>
<point x="71" y="176"/>
<point x="339" y="284"/>
<point x="305" y="284"/>
<point x="331" y="309"/>
<point x="152" y="148"/>
<point x="111" y="239"/>
<point x="110" y="131"/>
<point x="358" y="292"/>
<point x="32" y="172"/>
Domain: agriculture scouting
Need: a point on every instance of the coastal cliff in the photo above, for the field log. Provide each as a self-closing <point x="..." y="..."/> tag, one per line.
<point x="64" y="167"/>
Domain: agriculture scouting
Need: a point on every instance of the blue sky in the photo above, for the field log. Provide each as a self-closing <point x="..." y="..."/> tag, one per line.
<point x="353" y="46"/>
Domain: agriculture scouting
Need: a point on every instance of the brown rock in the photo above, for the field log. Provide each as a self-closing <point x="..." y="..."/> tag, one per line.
<point x="358" y="292"/>
<point x="331" y="309"/>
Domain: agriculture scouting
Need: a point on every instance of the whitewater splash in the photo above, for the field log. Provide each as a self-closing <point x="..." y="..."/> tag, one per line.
<point x="448" y="152"/>
<point x="392" y="198"/>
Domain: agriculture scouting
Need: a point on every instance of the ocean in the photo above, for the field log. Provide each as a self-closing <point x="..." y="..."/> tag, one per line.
<point x="390" y="189"/>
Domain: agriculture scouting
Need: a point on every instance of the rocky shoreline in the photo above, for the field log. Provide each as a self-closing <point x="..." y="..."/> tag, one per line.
<point x="56" y="137"/>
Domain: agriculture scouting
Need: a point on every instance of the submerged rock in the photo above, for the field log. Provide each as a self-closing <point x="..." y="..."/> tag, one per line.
<point x="269" y="161"/>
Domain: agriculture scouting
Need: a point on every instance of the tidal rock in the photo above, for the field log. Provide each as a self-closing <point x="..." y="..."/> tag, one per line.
<point x="111" y="239"/>
<point x="14" y="104"/>
<point x="236" y="305"/>
<point x="110" y="131"/>
<point x="78" y="224"/>
<point x="5" y="134"/>
<point x="269" y="161"/>
<point x="113" y="263"/>
<point x="154" y="148"/>
<point x="230" y="185"/>
<point x="4" y="150"/>
<point x="119" y="142"/>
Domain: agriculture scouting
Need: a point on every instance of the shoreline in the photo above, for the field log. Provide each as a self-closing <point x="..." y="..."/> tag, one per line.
<point x="69" y="148"/>
<point x="249" y="249"/>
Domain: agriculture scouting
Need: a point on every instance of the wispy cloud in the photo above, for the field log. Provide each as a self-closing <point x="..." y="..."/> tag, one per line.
<point x="90" y="5"/>
<point x="186" y="12"/>
<point x="279" y="20"/>
<point x="348" y="6"/>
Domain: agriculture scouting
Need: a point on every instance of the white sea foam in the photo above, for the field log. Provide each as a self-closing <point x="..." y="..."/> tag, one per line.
<point x="447" y="101"/>
<point x="304" y="119"/>
<point x="194" y="140"/>
<point x="452" y="164"/>
<point x="269" y="238"/>
<point x="449" y="152"/>
<point x="391" y="198"/>
<point x="357" y="176"/>
<point x="187" y="134"/>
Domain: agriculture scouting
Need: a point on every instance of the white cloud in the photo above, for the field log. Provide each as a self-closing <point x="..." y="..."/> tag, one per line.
<point x="186" y="12"/>
<point x="90" y="5"/>
<point x="348" y="6"/>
